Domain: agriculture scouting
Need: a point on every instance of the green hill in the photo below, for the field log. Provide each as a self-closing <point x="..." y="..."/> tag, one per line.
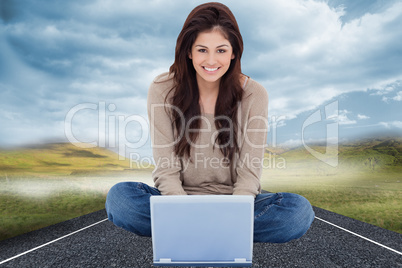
<point x="367" y="154"/>
<point x="60" y="159"/>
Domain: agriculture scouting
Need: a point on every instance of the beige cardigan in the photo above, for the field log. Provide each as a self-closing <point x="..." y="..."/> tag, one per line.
<point x="207" y="173"/>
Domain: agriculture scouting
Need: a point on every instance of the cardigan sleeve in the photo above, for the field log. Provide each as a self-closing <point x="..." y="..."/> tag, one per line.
<point x="255" y="128"/>
<point x="166" y="174"/>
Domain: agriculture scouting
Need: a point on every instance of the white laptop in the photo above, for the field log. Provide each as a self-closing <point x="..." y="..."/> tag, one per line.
<point x="202" y="230"/>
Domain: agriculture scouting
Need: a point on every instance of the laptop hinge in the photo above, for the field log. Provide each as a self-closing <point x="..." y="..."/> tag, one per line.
<point x="165" y="260"/>
<point x="240" y="260"/>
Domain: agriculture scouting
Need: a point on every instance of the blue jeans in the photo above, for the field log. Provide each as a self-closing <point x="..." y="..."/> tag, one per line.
<point x="278" y="217"/>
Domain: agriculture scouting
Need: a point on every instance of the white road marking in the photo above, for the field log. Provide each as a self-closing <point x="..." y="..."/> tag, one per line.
<point x="89" y="226"/>
<point x="372" y="241"/>
<point x="48" y="243"/>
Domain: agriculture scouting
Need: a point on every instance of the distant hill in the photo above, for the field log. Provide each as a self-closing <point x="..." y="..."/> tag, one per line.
<point x="61" y="159"/>
<point x="68" y="159"/>
<point x="374" y="153"/>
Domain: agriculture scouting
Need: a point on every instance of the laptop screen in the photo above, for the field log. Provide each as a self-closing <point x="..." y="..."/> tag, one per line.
<point x="197" y="230"/>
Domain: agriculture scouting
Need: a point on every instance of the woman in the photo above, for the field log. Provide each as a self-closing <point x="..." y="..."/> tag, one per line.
<point x="208" y="131"/>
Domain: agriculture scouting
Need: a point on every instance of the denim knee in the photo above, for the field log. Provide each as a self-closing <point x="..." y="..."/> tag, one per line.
<point x="302" y="218"/>
<point x="113" y="199"/>
<point x="127" y="206"/>
<point x="282" y="217"/>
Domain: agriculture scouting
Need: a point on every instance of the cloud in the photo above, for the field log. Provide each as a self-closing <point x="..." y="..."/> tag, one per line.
<point x="306" y="56"/>
<point x="393" y="124"/>
<point x="386" y="90"/>
<point x="292" y="143"/>
<point x="56" y="55"/>
<point x="362" y="116"/>
<point x="343" y="119"/>
<point x="398" y="96"/>
<point x="340" y="116"/>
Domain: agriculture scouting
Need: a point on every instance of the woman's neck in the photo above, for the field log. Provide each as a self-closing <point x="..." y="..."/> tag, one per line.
<point x="208" y="96"/>
<point x="206" y="87"/>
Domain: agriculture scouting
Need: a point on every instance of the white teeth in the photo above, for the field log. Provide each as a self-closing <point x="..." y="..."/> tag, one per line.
<point x="210" y="69"/>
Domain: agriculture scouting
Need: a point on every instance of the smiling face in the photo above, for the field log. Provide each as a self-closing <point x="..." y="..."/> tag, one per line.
<point x="211" y="54"/>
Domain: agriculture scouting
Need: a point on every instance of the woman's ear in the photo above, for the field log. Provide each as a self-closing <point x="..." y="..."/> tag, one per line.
<point x="233" y="56"/>
<point x="189" y="56"/>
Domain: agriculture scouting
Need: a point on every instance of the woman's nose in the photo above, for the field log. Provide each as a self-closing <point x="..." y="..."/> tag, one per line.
<point x="211" y="59"/>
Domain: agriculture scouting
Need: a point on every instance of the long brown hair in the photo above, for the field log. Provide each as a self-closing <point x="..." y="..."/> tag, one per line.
<point x="185" y="97"/>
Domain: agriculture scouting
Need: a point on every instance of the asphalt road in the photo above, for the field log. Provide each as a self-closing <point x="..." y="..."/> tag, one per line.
<point x="92" y="241"/>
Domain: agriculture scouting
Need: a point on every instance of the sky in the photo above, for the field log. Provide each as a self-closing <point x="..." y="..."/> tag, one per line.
<point x="79" y="71"/>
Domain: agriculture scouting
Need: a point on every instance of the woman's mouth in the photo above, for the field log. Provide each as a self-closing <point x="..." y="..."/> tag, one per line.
<point x="210" y="69"/>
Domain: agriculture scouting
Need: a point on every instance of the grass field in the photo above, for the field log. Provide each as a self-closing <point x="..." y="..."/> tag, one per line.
<point x="27" y="204"/>
<point x="48" y="184"/>
<point x="51" y="183"/>
<point x="375" y="198"/>
<point x="21" y="214"/>
<point x="366" y="185"/>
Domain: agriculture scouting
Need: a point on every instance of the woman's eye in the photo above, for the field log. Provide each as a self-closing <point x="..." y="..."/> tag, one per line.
<point x="221" y="51"/>
<point x="202" y="50"/>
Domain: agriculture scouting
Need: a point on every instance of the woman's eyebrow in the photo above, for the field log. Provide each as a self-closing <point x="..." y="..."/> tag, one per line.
<point x="224" y="45"/>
